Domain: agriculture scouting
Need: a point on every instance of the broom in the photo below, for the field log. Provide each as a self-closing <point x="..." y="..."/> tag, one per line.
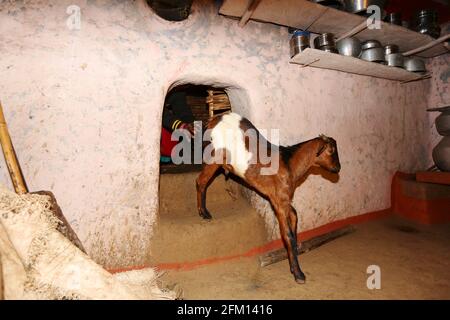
<point x="20" y="186"/>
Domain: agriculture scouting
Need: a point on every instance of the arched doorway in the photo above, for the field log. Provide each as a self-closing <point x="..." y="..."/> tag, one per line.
<point x="180" y="234"/>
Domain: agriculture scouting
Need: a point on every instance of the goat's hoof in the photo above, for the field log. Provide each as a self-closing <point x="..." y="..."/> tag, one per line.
<point x="206" y="215"/>
<point x="300" y="279"/>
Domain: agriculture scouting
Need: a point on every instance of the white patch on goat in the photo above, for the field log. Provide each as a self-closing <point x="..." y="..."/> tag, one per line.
<point x="228" y="135"/>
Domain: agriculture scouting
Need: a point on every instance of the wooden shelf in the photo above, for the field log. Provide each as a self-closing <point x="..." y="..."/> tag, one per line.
<point x="325" y="60"/>
<point x="306" y="15"/>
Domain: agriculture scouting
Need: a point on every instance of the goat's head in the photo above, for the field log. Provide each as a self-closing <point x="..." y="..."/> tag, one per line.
<point x="327" y="154"/>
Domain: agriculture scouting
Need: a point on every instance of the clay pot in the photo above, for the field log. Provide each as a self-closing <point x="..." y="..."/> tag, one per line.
<point x="443" y="123"/>
<point x="441" y="154"/>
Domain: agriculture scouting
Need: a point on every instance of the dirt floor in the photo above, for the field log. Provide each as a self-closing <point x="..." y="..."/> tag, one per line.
<point x="414" y="262"/>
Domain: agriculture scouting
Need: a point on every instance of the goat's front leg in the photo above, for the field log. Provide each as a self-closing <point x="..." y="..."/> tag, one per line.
<point x="289" y="238"/>
<point x="202" y="184"/>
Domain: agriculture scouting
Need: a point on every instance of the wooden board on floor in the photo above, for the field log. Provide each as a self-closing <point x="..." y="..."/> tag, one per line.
<point x="305" y="246"/>
<point x="433" y="177"/>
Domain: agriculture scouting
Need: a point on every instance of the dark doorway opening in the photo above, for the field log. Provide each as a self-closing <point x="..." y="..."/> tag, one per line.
<point x="184" y="105"/>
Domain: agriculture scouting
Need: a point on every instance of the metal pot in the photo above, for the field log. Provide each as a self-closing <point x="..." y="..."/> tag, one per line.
<point x="443" y="123"/>
<point x="426" y="22"/>
<point x="299" y="42"/>
<point x="349" y="47"/>
<point x="373" y="55"/>
<point x="325" y="39"/>
<point x="369" y="44"/>
<point x="441" y="154"/>
<point x="360" y="6"/>
<point x="414" y="65"/>
<point x="394" y="60"/>
<point x="390" y="48"/>
<point x="331" y="49"/>
<point x="394" y="18"/>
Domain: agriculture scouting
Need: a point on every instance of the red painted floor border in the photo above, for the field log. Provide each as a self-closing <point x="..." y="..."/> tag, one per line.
<point x="273" y="245"/>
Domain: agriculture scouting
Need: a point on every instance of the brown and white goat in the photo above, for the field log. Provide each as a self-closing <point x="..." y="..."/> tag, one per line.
<point x="237" y="155"/>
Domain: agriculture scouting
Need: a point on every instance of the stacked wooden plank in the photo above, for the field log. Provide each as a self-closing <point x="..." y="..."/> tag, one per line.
<point x="218" y="102"/>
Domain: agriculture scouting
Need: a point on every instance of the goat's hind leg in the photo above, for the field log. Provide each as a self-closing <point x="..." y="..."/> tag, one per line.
<point x="202" y="182"/>
<point x="290" y="241"/>
<point x="293" y="219"/>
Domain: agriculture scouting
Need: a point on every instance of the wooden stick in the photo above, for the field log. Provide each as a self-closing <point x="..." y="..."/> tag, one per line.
<point x="248" y="12"/>
<point x="427" y="46"/>
<point x="281" y="254"/>
<point x="360" y="27"/>
<point x="426" y="76"/>
<point x="64" y="227"/>
<point x="447" y="46"/>
<point x="317" y="18"/>
<point x="10" y="157"/>
<point x="309" y="63"/>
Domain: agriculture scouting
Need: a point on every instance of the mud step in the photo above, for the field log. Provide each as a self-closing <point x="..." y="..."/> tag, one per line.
<point x="181" y="235"/>
<point x="178" y="193"/>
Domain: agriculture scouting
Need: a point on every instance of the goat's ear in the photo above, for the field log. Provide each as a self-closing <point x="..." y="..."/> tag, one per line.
<point x="324" y="137"/>
<point x="322" y="149"/>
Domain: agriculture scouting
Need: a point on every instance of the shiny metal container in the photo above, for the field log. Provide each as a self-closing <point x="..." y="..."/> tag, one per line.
<point x="349" y="47"/>
<point x="426" y="22"/>
<point x="394" y="18"/>
<point x="414" y="65"/>
<point x="299" y="42"/>
<point x="360" y="6"/>
<point x="369" y="44"/>
<point x="373" y="55"/>
<point x="390" y="48"/>
<point x="394" y="60"/>
<point x="325" y="39"/>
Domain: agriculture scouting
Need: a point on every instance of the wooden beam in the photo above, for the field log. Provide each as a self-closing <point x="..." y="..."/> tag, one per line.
<point x="248" y="12"/>
<point x="281" y="254"/>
